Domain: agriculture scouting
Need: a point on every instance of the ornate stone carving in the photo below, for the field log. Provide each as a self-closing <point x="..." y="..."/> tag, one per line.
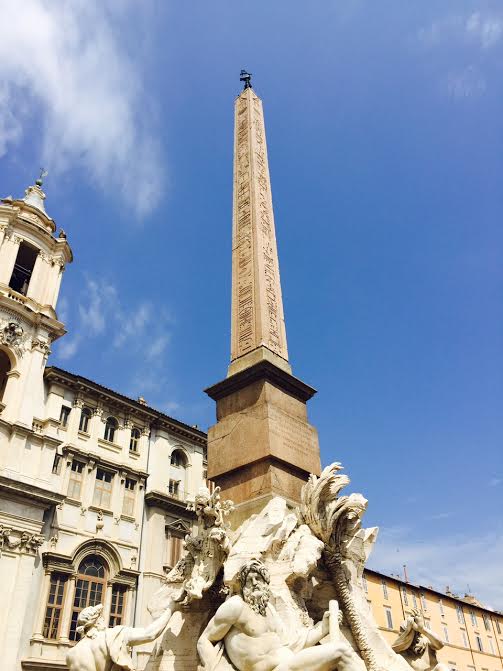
<point x="100" y="649"/>
<point x="19" y="540"/>
<point x="13" y="335"/>
<point x="41" y="345"/>
<point x="418" y="645"/>
<point x="257" y="307"/>
<point x="250" y="633"/>
<point x="207" y="550"/>
<point x="336" y="521"/>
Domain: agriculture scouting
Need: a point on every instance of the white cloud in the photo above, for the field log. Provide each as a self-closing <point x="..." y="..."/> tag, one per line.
<point x="486" y="31"/>
<point x="157" y="347"/>
<point x="450" y="560"/>
<point x="482" y="31"/>
<point x="469" y="83"/>
<point x="68" y="60"/>
<point x="68" y="347"/>
<point x="495" y="482"/>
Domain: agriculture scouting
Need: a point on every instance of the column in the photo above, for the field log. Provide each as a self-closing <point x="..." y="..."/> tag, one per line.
<point x="8" y="254"/>
<point x="42" y="606"/>
<point x="52" y="298"/>
<point x="38" y="277"/>
<point x="108" y="602"/>
<point x="66" y="615"/>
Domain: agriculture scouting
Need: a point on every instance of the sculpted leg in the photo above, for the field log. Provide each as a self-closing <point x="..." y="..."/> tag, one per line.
<point x="326" y="657"/>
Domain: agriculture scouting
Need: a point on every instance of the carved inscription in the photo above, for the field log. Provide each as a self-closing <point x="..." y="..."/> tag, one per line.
<point x="255" y="260"/>
<point x="245" y="322"/>
<point x="297" y="439"/>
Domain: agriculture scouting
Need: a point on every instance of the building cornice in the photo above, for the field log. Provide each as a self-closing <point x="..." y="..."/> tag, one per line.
<point x="32" y="492"/>
<point x="156" y="418"/>
<point x="166" y="502"/>
<point x="263" y="371"/>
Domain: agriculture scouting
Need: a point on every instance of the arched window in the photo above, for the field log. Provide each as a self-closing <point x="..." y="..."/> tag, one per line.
<point x="178" y="459"/>
<point x="23" y="268"/>
<point x="135" y="440"/>
<point x="111" y="427"/>
<point x="4" y="369"/>
<point x="85" y="418"/>
<point x="90" y="588"/>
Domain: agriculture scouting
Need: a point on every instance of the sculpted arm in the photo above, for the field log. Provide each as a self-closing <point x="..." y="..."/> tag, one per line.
<point x="140" y="635"/>
<point x="219" y="625"/>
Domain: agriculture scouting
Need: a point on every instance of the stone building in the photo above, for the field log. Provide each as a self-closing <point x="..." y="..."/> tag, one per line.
<point x="473" y="635"/>
<point x="93" y="485"/>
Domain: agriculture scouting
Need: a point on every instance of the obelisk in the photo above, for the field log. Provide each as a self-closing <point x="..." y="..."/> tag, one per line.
<point x="262" y="444"/>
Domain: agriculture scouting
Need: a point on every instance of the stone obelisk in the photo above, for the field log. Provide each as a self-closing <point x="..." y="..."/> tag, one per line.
<point x="262" y="444"/>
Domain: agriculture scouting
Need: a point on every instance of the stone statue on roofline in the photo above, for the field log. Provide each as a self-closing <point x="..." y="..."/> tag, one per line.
<point x="418" y="645"/>
<point x="248" y="631"/>
<point x="106" y="649"/>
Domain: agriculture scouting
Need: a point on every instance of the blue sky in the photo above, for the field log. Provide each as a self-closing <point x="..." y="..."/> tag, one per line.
<point x="386" y="156"/>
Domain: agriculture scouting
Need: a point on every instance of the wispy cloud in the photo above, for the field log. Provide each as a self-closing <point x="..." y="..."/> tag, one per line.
<point x="449" y="560"/>
<point x="65" y="64"/>
<point x="477" y="29"/>
<point x="140" y="331"/>
<point x="469" y="83"/>
<point x="495" y="482"/>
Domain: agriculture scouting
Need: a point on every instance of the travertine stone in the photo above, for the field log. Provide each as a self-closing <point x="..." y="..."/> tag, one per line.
<point x="258" y="324"/>
<point x="262" y="444"/>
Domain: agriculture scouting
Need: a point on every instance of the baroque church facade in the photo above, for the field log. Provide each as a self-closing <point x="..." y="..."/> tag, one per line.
<point x="94" y="485"/>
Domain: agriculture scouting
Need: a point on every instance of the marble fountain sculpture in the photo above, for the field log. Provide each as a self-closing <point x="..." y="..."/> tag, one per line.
<point x="283" y="592"/>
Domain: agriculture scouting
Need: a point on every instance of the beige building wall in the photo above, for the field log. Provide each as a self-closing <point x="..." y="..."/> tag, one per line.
<point x="473" y="635"/>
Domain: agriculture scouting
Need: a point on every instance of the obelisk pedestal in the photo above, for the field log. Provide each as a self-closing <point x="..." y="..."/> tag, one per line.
<point x="262" y="445"/>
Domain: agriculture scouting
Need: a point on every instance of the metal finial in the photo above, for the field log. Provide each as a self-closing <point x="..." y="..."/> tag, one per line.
<point x="246" y="78"/>
<point x="40" y="180"/>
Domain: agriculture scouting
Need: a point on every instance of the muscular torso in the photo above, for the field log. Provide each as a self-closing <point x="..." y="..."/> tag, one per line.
<point x="424" y="662"/>
<point x="90" y="655"/>
<point x="253" y="643"/>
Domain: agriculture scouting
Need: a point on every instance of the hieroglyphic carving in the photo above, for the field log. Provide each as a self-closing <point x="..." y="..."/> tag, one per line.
<point x="257" y="311"/>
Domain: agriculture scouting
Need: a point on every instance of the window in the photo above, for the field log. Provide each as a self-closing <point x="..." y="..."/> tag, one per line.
<point x="76" y="477"/>
<point x="54" y="606"/>
<point x="465" y="639"/>
<point x="446" y="635"/>
<point x="414" y="600"/>
<point x="404" y="595"/>
<point x="423" y="601"/>
<point x="473" y="618"/>
<point x="111" y="427"/>
<point x="365" y="585"/>
<point x="56" y="464"/>
<point x="441" y="608"/>
<point x="4" y="369"/>
<point x="118" y="605"/>
<point x="178" y="459"/>
<point x="85" y="418"/>
<point x="175" y="547"/>
<point x="174" y="488"/>
<point x="389" y="619"/>
<point x="384" y="589"/>
<point x="135" y="440"/>
<point x="23" y="268"/>
<point x="103" y="488"/>
<point x="459" y="613"/>
<point x="498" y="628"/>
<point x="64" y="416"/>
<point x="487" y="623"/>
<point x="129" y="497"/>
<point x="89" y="589"/>
<point x="491" y="645"/>
<point x="479" y="643"/>
<point x="427" y="624"/>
